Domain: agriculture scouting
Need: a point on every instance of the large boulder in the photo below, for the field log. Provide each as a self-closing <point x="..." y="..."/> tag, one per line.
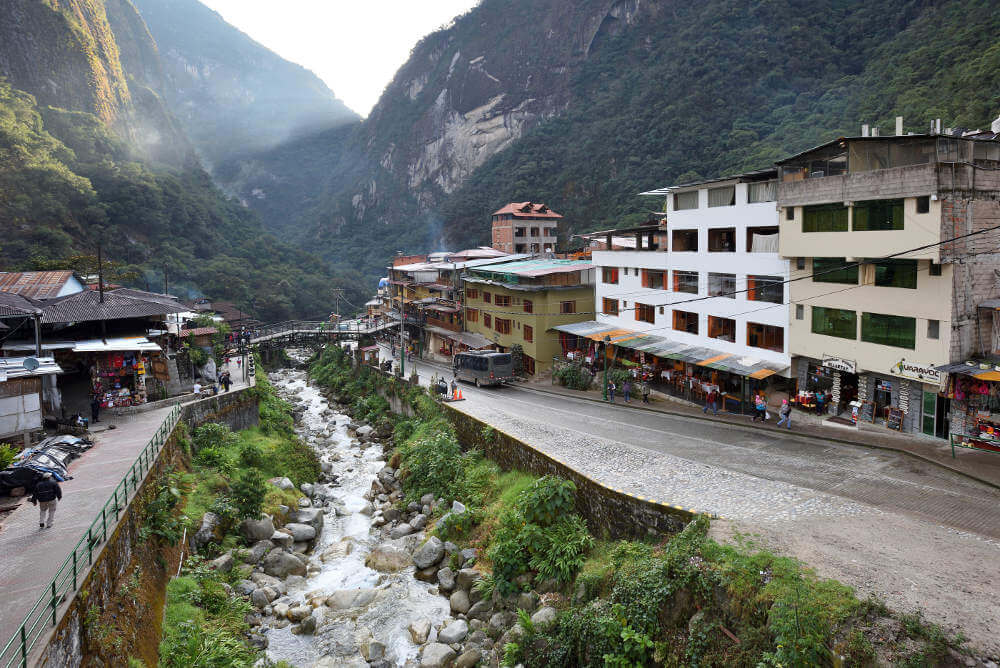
<point x="419" y="630"/>
<point x="454" y="632"/>
<point x="262" y="597"/>
<point x="282" y="538"/>
<point x="459" y="601"/>
<point x="256" y="551"/>
<point x="350" y="598"/>
<point x="480" y="610"/>
<point x="468" y="659"/>
<point x="208" y="532"/>
<point x="364" y="431"/>
<point x="429" y="553"/>
<point x="446" y="579"/>
<point x="282" y="564"/>
<point x="282" y="483"/>
<point x="223" y="564"/>
<point x="311" y="516"/>
<point x="401" y="530"/>
<point x="545" y="615"/>
<point x="467" y="577"/>
<point x="388" y="559"/>
<point x="437" y="655"/>
<point x="257" y="530"/>
<point x="301" y="533"/>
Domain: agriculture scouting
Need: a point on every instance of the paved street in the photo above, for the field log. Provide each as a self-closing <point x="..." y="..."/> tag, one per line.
<point x="881" y="521"/>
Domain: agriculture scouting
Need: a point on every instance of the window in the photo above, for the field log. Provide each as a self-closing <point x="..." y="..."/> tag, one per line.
<point x="722" y="285"/>
<point x="935" y="269"/>
<point x="763" y="239"/>
<point x="889" y="330"/>
<point x="550" y="231"/>
<point x="486" y="297"/>
<point x="765" y="289"/>
<point x="896" y="273"/>
<point x="835" y="322"/>
<point x="501" y="300"/>
<point x="472" y="293"/>
<point x="762" y="192"/>
<point x="800" y="312"/>
<point x="610" y="306"/>
<point x="686" y="281"/>
<point x="882" y="214"/>
<point x="924" y="204"/>
<point x="722" y="328"/>
<point x="655" y="279"/>
<point x="933" y="329"/>
<point x="502" y="325"/>
<point x="488" y="320"/>
<point x="529" y="306"/>
<point x="789" y="213"/>
<point x="685" y="201"/>
<point x="824" y="218"/>
<point x="645" y="313"/>
<point x="661" y="310"/>
<point x="519" y="231"/>
<point x="609" y="275"/>
<point x="722" y="240"/>
<point x="686" y="321"/>
<point x="724" y="196"/>
<point x="534" y="232"/>
<point x="833" y="270"/>
<point x="800" y="263"/>
<point x="529" y="364"/>
<point x="685" y="241"/>
<point x="471" y="315"/>
<point x="567" y="307"/>
<point x="768" y="337"/>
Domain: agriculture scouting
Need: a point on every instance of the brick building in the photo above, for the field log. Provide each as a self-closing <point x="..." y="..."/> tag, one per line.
<point x="525" y="227"/>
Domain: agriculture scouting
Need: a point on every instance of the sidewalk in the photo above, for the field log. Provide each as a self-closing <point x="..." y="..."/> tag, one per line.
<point x="980" y="466"/>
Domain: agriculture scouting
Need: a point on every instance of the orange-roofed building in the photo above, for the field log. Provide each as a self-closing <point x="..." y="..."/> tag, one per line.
<point x="525" y="227"/>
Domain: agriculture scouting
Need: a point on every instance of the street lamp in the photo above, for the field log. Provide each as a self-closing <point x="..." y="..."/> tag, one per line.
<point x="607" y="340"/>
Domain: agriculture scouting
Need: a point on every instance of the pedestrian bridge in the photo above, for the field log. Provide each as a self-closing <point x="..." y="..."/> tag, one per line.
<point x="310" y="331"/>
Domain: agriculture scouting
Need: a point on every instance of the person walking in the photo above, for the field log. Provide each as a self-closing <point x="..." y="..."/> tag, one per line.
<point x="645" y="392"/>
<point x="227" y="381"/>
<point x="95" y="408"/>
<point x="46" y="495"/>
<point x="785" y="413"/>
<point x="711" y="402"/>
<point x="611" y="391"/>
<point x="760" y="408"/>
<point x="627" y="390"/>
<point x="820" y="400"/>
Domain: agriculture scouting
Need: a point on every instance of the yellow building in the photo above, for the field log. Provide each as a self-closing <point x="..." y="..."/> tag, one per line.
<point x="518" y="303"/>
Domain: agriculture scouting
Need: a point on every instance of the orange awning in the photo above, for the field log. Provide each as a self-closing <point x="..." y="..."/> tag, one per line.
<point x="988" y="375"/>
<point x="712" y="360"/>
<point x="763" y="373"/>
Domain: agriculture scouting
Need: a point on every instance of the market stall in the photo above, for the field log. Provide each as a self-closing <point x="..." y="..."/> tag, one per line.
<point x="974" y="390"/>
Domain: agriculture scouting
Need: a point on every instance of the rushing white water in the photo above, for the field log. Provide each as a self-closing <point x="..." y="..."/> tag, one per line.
<point x="400" y="599"/>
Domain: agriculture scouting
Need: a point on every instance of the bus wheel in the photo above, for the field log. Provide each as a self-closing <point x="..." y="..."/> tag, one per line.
<point x="477" y="382"/>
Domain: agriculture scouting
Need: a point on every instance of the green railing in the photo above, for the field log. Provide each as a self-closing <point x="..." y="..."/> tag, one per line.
<point x="45" y="613"/>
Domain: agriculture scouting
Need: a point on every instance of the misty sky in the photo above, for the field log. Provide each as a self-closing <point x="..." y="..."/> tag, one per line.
<point x="355" y="46"/>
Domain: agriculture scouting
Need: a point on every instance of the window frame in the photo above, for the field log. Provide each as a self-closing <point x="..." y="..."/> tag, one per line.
<point x="487" y="297"/>
<point x="567" y="307"/>
<point x="678" y="274"/>
<point x="688" y="317"/>
<point x="723" y="196"/>
<point x="645" y="313"/>
<point x="649" y="274"/>
<point x="840" y="276"/>
<point x="503" y="325"/>
<point x="528" y="305"/>
<point x="611" y="272"/>
<point x="487" y="321"/>
<point x="869" y="215"/>
<point x="725" y="292"/>
<point x="895" y="325"/>
<point x="766" y="331"/>
<point x="892" y="269"/>
<point x="824" y="312"/>
<point x="604" y="306"/>
<point x="501" y="301"/>
<point x="471" y="314"/>
<point x="814" y="220"/>
<point x="769" y="283"/>
<point x="687" y="197"/>
<point x="721" y="325"/>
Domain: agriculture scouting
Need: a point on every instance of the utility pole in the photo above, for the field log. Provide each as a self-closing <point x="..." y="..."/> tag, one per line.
<point x="402" y="339"/>
<point x="100" y="268"/>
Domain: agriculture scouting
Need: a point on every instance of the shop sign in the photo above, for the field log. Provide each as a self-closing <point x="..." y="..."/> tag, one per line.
<point x="840" y="364"/>
<point x="925" y="373"/>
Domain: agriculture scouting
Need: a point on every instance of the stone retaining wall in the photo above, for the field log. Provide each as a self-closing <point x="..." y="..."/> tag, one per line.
<point x="124" y="549"/>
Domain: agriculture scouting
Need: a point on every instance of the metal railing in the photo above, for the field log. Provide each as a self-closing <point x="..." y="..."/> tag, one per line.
<point x="45" y="613"/>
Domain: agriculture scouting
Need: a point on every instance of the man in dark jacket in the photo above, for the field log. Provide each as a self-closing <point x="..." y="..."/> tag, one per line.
<point x="46" y="494"/>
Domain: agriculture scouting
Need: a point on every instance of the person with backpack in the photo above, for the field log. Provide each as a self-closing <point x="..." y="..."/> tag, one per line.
<point x="760" y="406"/>
<point x="785" y="413"/>
<point x="46" y="494"/>
<point x="711" y="402"/>
<point x="645" y="392"/>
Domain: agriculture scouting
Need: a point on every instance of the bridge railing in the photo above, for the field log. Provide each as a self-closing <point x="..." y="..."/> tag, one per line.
<point x="294" y="325"/>
<point x="71" y="574"/>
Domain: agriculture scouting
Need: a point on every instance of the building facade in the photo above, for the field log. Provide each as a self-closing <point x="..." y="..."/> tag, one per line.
<point x="525" y="227"/>
<point x="518" y="303"/>
<point x="883" y="299"/>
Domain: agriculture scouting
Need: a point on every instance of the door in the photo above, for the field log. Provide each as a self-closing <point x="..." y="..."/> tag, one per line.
<point x="943" y="417"/>
<point x="930" y="413"/>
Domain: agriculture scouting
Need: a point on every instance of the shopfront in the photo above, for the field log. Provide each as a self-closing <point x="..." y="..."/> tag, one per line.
<point x="972" y="393"/>
<point x="830" y="385"/>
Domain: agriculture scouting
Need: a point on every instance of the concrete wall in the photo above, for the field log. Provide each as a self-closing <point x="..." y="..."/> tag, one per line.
<point x="877" y="184"/>
<point x="124" y="549"/>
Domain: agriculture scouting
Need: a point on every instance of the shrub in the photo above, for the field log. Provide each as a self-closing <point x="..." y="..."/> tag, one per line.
<point x="7" y="454"/>
<point x="548" y="499"/>
<point x="161" y="519"/>
<point x="214" y="434"/>
<point x="251" y="455"/>
<point x="564" y="549"/>
<point x="431" y="460"/>
<point x="215" y="458"/>
<point x="248" y="492"/>
<point x="458" y="526"/>
<point x="574" y="376"/>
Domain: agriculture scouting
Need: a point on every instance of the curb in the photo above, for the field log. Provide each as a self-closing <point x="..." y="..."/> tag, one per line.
<point x="787" y="433"/>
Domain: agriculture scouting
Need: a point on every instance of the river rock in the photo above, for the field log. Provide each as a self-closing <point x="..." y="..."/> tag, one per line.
<point x="245" y="587"/>
<point x="282" y="564"/>
<point x="446" y="580"/>
<point x="257" y="551"/>
<point x="419" y="521"/>
<point x="545" y="615"/>
<point x="223" y="564"/>
<point x="305" y="627"/>
<point x="454" y="632"/>
<point x="345" y="599"/>
<point x="468" y="555"/>
<point x="304" y="502"/>
<point x="426" y="499"/>
<point x="429" y="553"/>
<point x="373" y="651"/>
<point x="498" y="622"/>
<point x="282" y="483"/>
<point x="301" y="533"/>
<point x="527" y="601"/>
<point x="281" y="609"/>
<point x="282" y="538"/>
<point x="387" y="476"/>
<point x="388" y="558"/>
<point x="257" y="530"/>
<point x="299" y="612"/>
<point x="365" y="431"/>
<point x="401" y="530"/>
<point x="265" y="580"/>
<point x="306" y="488"/>
<point x="436" y="655"/>
<point x="468" y="659"/>
<point x="467" y="577"/>
<point x="262" y="597"/>
<point x="341" y="548"/>
<point x="391" y="515"/>
<point x="459" y="601"/>
<point x="311" y="516"/>
<point x="457" y="507"/>
<point x="480" y="610"/>
<point x="419" y="630"/>
<point x="367" y="509"/>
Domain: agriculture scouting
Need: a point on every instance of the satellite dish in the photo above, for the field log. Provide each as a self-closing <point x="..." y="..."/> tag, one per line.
<point x="30" y="363"/>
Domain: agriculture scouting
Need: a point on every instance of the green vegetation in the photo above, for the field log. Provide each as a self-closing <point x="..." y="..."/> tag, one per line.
<point x="574" y="376"/>
<point x="7" y="454"/>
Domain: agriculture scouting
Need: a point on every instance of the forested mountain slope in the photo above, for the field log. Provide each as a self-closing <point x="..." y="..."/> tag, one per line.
<point x="584" y="104"/>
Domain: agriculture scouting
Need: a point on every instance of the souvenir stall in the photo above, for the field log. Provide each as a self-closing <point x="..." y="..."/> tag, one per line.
<point x="118" y="379"/>
<point x="974" y="390"/>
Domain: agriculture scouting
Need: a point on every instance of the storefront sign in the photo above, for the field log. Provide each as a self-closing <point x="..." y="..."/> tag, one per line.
<point x="840" y="364"/>
<point x="925" y="373"/>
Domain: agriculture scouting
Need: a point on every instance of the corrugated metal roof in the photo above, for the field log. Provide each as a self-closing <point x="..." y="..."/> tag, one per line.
<point x="34" y="284"/>
<point x="15" y="306"/>
<point x="86" y="306"/>
<point x="539" y="267"/>
<point x="13" y="367"/>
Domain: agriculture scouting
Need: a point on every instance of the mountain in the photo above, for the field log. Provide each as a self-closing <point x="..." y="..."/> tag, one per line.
<point x="232" y="95"/>
<point x="582" y="104"/>
<point x="91" y="154"/>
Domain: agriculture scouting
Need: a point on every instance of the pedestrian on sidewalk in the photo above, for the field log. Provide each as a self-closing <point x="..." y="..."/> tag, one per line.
<point x="46" y="494"/>
<point x="760" y="408"/>
<point x="227" y="381"/>
<point x="627" y="390"/>
<point x="785" y="413"/>
<point x="95" y="408"/>
<point x="820" y="399"/>
<point x="611" y="390"/>
<point x="645" y="392"/>
<point x="711" y="402"/>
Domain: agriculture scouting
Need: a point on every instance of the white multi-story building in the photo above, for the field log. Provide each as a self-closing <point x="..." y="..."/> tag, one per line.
<point x="708" y="290"/>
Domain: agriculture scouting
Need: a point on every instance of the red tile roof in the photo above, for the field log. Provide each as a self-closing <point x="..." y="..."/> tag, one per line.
<point x="528" y="210"/>
<point x="34" y="284"/>
<point x="199" y="331"/>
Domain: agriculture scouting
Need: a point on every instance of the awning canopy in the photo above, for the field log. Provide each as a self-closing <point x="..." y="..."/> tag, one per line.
<point x="660" y="346"/>
<point x="14" y="367"/>
<point x="125" y="344"/>
<point x="29" y="346"/>
<point x="369" y="349"/>
<point x="472" y="340"/>
<point x="978" y="370"/>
